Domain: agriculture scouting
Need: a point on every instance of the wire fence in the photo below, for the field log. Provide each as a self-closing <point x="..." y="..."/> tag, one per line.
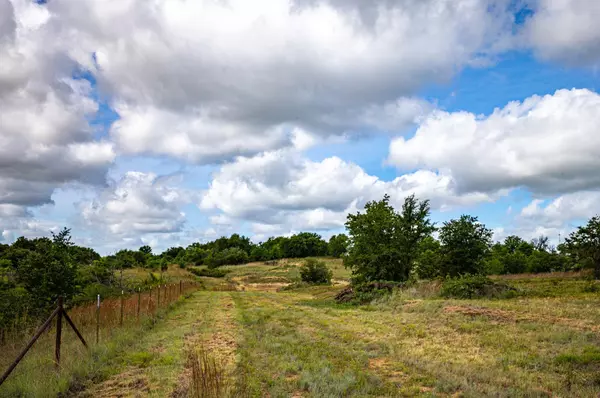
<point x="91" y="323"/>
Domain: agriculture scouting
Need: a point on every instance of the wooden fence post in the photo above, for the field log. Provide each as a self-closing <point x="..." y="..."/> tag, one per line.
<point x="58" y="332"/>
<point x="158" y="299"/>
<point x="98" y="320"/>
<point x="121" y="320"/>
<point x="37" y="335"/>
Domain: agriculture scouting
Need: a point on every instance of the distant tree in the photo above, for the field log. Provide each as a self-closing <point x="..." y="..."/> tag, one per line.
<point x="172" y="253"/>
<point x="465" y="244"/>
<point x="304" y="244"/>
<point x="145" y="249"/>
<point x="384" y="243"/>
<point x="259" y="253"/>
<point x="584" y="244"/>
<point x="540" y="243"/>
<point x="338" y="245"/>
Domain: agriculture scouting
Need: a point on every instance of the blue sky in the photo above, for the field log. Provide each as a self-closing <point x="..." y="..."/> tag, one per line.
<point x="181" y="122"/>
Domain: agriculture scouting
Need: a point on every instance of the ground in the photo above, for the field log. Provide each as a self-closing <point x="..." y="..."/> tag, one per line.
<point x="268" y="342"/>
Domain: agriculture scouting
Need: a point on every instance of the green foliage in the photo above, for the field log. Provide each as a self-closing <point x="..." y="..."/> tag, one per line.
<point x="584" y="244"/>
<point x="304" y="244"/>
<point x="465" y="244"/>
<point x="49" y="271"/>
<point x="385" y="244"/>
<point x="428" y="262"/>
<point x="338" y="245"/>
<point x="475" y="286"/>
<point x="315" y="272"/>
<point x="210" y="272"/>
<point x="231" y="256"/>
<point x="145" y="249"/>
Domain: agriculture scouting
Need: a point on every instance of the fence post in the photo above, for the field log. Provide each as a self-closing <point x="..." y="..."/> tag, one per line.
<point x="139" y="304"/>
<point x="39" y="332"/>
<point x="121" y="320"/>
<point x="98" y="320"/>
<point x="158" y="298"/>
<point x="180" y="287"/>
<point x="58" y="332"/>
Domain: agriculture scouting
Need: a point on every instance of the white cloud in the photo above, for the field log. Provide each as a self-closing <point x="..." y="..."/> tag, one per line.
<point x="547" y="144"/>
<point x="283" y="190"/>
<point x="137" y="204"/>
<point x="207" y="81"/>
<point x="566" y="30"/>
<point x="45" y="139"/>
<point x="563" y="210"/>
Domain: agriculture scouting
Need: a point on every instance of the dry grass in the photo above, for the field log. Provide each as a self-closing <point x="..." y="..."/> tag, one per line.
<point x="208" y="375"/>
<point x="36" y="372"/>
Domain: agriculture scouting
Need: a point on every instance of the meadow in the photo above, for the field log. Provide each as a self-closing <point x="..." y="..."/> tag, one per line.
<point x="245" y="336"/>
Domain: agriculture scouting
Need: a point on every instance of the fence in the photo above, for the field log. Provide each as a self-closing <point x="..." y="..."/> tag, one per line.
<point x="103" y="317"/>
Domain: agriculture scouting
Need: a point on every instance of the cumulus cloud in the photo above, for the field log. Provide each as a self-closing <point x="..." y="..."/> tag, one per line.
<point x="137" y="204"/>
<point x="207" y="81"/>
<point x="563" y="210"/>
<point x="45" y="138"/>
<point x="566" y="31"/>
<point x="281" y="189"/>
<point x="547" y="144"/>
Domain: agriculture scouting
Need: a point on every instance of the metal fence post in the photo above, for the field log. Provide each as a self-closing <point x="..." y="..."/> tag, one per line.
<point x="121" y="320"/>
<point x="98" y="320"/>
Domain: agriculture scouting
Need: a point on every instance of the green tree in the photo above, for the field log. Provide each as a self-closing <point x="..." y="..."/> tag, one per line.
<point x="49" y="272"/>
<point x="145" y="249"/>
<point x="465" y="244"/>
<point x="338" y="245"/>
<point x="429" y="260"/>
<point x="584" y="244"/>
<point x="384" y="243"/>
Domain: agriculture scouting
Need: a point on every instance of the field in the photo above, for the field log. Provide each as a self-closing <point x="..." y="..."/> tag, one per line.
<point x="262" y="341"/>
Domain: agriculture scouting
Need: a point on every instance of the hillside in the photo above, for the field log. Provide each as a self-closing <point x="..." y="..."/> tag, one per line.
<point x="301" y="343"/>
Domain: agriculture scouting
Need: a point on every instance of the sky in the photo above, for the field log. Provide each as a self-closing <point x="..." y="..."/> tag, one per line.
<point x="164" y="122"/>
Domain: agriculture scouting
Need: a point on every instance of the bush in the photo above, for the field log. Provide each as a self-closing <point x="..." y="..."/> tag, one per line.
<point x="475" y="286"/>
<point x="210" y="272"/>
<point x="361" y="293"/>
<point x="315" y="272"/>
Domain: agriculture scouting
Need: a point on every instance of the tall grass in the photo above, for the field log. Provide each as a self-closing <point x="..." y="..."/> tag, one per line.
<point x="208" y="375"/>
<point x="36" y="375"/>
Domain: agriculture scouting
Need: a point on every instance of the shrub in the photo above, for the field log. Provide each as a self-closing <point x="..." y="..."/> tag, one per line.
<point x="361" y="293"/>
<point x="315" y="272"/>
<point x="210" y="272"/>
<point x="475" y="286"/>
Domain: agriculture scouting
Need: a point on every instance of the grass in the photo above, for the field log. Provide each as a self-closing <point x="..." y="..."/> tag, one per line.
<point x="36" y="375"/>
<point x="246" y="342"/>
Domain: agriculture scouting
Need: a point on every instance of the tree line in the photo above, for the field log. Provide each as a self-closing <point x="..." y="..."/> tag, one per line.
<point x="382" y="244"/>
<point x="390" y="245"/>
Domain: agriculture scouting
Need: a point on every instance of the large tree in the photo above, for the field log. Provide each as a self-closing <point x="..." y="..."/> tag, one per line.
<point x="584" y="244"/>
<point x="385" y="243"/>
<point x="465" y="243"/>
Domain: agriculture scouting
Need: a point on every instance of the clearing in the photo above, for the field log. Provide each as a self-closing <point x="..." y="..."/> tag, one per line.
<point x="268" y="342"/>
